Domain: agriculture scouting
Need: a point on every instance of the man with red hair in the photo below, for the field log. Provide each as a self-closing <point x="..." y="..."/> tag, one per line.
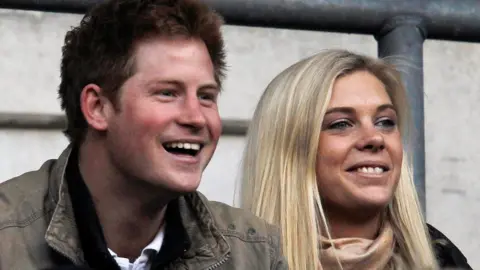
<point x="140" y="81"/>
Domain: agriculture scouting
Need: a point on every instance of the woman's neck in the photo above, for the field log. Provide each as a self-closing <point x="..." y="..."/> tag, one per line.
<point x="344" y="225"/>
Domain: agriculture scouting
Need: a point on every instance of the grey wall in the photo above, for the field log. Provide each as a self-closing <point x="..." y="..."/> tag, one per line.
<point x="29" y="75"/>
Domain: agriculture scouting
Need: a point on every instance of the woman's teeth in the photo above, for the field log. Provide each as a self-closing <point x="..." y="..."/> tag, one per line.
<point x="370" y="170"/>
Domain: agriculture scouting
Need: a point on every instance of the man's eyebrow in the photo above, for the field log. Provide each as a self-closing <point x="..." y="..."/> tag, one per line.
<point x="213" y="86"/>
<point x="177" y="83"/>
<point x="174" y="82"/>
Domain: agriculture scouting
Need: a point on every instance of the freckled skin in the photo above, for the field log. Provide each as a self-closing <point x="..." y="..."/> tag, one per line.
<point x="171" y="96"/>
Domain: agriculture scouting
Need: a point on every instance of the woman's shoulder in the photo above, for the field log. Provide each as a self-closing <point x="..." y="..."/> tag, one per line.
<point x="448" y="255"/>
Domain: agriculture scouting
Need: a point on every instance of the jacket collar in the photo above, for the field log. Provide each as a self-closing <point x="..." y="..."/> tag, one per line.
<point x="207" y="242"/>
<point x="61" y="234"/>
<point x="206" y="239"/>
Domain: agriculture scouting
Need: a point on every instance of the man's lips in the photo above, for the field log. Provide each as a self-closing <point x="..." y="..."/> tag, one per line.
<point x="190" y="147"/>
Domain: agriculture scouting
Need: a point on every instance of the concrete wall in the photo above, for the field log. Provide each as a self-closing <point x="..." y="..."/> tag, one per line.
<point x="29" y="75"/>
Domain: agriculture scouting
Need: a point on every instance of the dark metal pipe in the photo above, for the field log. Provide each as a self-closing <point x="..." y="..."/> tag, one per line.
<point x="401" y="40"/>
<point x="58" y="122"/>
<point x="444" y="19"/>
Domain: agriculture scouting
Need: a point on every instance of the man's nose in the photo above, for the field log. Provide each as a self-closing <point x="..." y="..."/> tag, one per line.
<point x="191" y="114"/>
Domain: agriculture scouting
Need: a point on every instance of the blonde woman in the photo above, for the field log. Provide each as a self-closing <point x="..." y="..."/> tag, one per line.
<point x="325" y="161"/>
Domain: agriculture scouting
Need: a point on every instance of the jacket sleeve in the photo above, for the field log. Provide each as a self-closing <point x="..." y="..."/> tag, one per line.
<point x="448" y="255"/>
<point x="278" y="261"/>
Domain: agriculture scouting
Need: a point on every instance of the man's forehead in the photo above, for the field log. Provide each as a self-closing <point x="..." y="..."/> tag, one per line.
<point x="171" y="49"/>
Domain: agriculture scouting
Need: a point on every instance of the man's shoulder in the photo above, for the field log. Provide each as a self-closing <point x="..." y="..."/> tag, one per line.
<point x="242" y="223"/>
<point x="22" y="197"/>
<point x="239" y="227"/>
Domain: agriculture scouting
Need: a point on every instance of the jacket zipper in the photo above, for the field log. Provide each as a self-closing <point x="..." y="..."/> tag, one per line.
<point x="216" y="265"/>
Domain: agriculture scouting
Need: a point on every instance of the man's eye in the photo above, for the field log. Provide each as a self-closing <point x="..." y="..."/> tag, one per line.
<point x="207" y="96"/>
<point x="167" y="93"/>
<point x="340" y="125"/>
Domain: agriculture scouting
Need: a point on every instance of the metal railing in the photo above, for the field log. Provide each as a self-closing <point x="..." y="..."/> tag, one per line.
<point x="399" y="26"/>
<point x="52" y="121"/>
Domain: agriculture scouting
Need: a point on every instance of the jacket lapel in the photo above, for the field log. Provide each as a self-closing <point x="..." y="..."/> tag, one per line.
<point x="61" y="234"/>
<point x="207" y="242"/>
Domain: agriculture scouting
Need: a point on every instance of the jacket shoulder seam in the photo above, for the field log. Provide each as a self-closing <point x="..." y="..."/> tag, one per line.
<point x="24" y="222"/>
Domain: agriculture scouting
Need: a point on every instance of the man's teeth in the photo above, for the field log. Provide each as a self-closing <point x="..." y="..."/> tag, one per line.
<point x="193" y="146"/>
<point x="370" y="170"/>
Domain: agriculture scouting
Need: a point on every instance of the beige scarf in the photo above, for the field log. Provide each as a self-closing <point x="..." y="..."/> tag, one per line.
<point x="358" y="253"/>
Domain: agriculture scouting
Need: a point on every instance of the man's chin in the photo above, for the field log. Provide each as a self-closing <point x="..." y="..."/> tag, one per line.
<point x="184" y="185"/>
<point x="181" y="190"/>
<point x="177" y="182"/>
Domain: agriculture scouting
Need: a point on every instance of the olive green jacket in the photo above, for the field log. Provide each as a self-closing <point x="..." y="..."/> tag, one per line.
<point x="36" y="217"/>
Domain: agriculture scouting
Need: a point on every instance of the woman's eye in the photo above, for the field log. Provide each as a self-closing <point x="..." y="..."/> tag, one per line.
<point x="386" y="123"/>
<point x="340" y="125"/>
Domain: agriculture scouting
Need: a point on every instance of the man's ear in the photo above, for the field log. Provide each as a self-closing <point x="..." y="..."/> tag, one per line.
<point x="96" y="107"/>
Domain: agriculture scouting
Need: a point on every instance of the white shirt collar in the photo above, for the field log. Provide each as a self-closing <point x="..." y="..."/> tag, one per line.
<point x="157" y="242"/>
<point x="155" y="245"/>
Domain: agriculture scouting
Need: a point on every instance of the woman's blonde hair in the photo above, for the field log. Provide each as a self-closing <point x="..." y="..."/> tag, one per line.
<point x="278" y="172"/>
